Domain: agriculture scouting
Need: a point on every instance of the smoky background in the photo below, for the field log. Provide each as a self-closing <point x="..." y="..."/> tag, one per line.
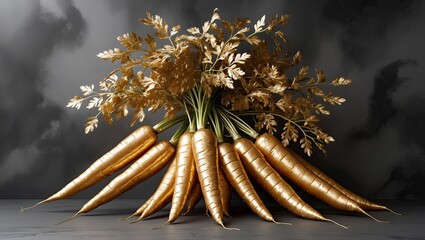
<point x="48" y="50"/>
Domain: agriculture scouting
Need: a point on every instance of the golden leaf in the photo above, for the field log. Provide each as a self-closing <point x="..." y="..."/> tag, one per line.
<point x="341" y="81"/>
<point x="132" y="42"/>
<point x="240" y="103"/>
<point x="290" y="133"/>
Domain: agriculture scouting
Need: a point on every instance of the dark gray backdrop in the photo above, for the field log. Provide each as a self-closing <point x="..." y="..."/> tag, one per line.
<point x="48" y="49"/>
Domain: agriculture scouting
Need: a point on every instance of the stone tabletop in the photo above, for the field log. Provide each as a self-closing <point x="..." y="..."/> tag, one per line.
<point x="103" y="223"/>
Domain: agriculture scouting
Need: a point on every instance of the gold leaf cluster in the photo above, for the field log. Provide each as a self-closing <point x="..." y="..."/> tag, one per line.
<point x="246" y="68"/>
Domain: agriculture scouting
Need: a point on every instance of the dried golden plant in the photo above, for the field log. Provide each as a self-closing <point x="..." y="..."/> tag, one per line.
<point x="229" y="62"/>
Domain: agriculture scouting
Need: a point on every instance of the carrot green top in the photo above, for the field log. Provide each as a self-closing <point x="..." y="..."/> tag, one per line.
<point x="222" y="64"/>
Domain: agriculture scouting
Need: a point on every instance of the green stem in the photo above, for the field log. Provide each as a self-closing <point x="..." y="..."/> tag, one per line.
<point x="166" y="124"/>
<point x="218" y="127"/>
<point x="182" y="129"/>
<point x="203" y="105"/>
<point x="241" y="124"/>
<point x="192" y="123"/>
<point x="190" y="116"/>
<point x="228" y="125"/>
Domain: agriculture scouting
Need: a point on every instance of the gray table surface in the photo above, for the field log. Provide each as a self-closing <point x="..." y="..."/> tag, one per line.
<point x="103" y="223"/>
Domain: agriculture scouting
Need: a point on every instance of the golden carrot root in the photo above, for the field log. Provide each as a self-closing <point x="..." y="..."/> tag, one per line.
<point x="140" y="210"/>
<point x="185" y="175"/>
<point x="225" y="191"/>
<point x="194" y="197"/>
<point x="162" y="195"/>
<point x="153" y="208"/>
<point x="121" y="155"/>
<point x="287" y="165"/>
<point x="204" y="144"/>
<point x="238" y="178"/>
<point x="363" y="203"/>
<point x="145" y="167"/>
<point x="257" y="166"/>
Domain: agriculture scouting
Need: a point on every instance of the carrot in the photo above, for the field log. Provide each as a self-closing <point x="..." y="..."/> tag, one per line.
<point x="287" y="165"/>
<point x="152" y="208"/>
<point x="363" y="203"/>
<point x="185" y="176"/>
<point x="257" y="166"/>
<point x="161" y="195"/>
<point x="238" y="178"/>
<point x="204" y="144"/>
<point x="225" y="192"/>
<point x="145" y="167"/>
<point x="194" y="197"/>
<point x="124" y="153"/>
<point x="140" y="210"/>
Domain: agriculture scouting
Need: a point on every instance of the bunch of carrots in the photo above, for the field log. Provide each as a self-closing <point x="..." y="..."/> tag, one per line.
<point x="210" y="89"/>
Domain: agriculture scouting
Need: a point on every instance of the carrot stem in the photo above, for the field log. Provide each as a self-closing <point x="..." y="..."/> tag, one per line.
<point x="218" y="127"/>
<point x="182" y="129"/>
<point x="241" y="124"/>
<point x="166" y="124"/>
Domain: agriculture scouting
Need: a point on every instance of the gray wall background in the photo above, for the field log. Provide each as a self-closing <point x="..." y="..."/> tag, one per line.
<point x="48" y="49"/>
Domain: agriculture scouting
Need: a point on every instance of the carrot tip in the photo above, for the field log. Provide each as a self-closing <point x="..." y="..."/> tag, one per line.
<point x="33" y="206"/>
<point x="282" y="223"/>
<point x="69" y="219"/>
<point x="377" y="220"/>
<point x="127" y="218"/>
<point x="390" y="210"/>
<point x="237" y="229"/>
<point x="167" y="222"/>
<point x="338" y="224"/>
<point x="137" y="220"/>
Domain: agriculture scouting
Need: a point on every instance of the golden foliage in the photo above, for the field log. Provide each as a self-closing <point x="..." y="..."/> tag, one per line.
<point x="254" y="82"/>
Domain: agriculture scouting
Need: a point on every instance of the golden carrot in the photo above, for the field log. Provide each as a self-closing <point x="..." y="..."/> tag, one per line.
<point x="140" y="210"/>
<point x="124" y="153"/>
<point x="225" y="191"/>
<point x="145" y="167"/>
<point x="257" y="166"/>
<point x="163" y="192"/>
<point x="185" y="175"/>
<point x="363" y="203"/>
<point x="204" y="144"/>
<point x="288" y="166"/>
<point x="163" y="201"/>
<point x="238" y="178"/>
<point x="194" y="197"/>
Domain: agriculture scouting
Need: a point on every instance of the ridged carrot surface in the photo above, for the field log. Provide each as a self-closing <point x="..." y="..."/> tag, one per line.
<point x="238" y="178"/>
<point x="185" y="175"/>
<point x="289" y="167"/>
<point x="146" y="166"/>
<point x="127" y="151"/>
<point x="257" y="166"/>
<point x="204" y="144"/>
